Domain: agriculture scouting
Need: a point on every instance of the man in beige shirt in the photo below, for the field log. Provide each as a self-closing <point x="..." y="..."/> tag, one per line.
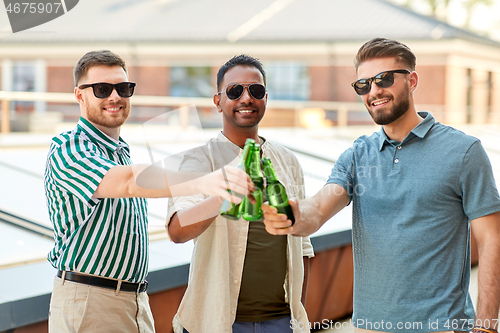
<point x="241" y="279"/>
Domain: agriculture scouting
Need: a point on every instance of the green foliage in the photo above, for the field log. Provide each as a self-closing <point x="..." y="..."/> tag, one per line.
<point x="440" y="8"/>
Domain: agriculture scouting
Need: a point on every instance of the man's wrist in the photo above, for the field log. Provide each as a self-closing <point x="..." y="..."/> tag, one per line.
<point x="482" y="329"/>
<point x="186" y="188"/>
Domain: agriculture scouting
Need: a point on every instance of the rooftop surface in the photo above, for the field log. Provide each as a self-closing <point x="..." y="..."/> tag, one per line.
<point x="187" y="21"/>
<point x="25" y="230"/>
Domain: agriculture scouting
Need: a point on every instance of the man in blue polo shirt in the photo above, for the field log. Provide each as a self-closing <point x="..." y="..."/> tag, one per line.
<point x="417" y="188"/>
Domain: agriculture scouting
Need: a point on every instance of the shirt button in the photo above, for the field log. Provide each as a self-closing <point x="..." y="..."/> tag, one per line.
<point x="240" y="249"/>
<point x="235" y="281"/>
<point x="396" y="161"/>
<point x="232" y="312"/>
<point x="399" y="147"/>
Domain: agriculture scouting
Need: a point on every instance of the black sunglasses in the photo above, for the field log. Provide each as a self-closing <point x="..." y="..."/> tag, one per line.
<point x="103" y="89"/>
<point x="382" y="80"/>
<point x="235" y="90"/>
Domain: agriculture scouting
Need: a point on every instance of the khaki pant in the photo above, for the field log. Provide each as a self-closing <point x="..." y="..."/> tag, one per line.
<point x="76" y="307"/>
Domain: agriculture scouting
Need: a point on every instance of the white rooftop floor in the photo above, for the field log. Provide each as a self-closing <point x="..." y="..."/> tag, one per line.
<point x="22" y="158"/>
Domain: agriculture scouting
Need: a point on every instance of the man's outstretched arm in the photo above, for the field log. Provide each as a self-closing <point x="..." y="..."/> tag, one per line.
<point x="310" y="214"/>
<point x="121" y="182"/>
<point x="189" y="223"/>
<point x="486" y="229"/>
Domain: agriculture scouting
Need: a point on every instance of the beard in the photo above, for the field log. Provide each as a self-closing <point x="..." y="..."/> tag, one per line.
<point x="401" y="106"/>
<point x="99" y="117"/>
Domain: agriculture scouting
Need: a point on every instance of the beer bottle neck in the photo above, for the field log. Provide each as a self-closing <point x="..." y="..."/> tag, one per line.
<point x="249" y="145"/>
<point x="254" y="164"/>
<point x="269" y="172"/>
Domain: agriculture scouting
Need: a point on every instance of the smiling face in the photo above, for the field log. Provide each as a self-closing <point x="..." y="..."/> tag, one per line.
<point x="109" y="113"/>
<point x="386" y="105"/>
<point x="245" y="112"/>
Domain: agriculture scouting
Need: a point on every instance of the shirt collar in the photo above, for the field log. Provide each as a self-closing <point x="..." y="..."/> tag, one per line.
<point x="420" y="130"/>
<point x="99" y="137"/>
<point x="223" y="138"/>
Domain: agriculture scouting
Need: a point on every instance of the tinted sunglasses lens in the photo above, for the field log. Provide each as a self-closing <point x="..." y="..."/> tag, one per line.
<point x="234" y="91"/>
<point x="384" y="80"/>
<point x="102" y="90"/>
<point x="125" y="89"/>
<point x="258" y="91"/>
<point x="362" y="87"/>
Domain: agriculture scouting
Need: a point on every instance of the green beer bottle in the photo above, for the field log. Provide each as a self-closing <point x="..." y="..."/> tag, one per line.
<point x="275" y="191"/>
<point x="253" y="212"/>
<point x="230" y="210"/>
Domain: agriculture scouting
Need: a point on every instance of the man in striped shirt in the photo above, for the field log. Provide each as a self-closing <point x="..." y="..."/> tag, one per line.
<point x="99" y="211"/>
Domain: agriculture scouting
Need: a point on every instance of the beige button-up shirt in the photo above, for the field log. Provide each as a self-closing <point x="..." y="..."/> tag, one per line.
<point x="211" y="298"/>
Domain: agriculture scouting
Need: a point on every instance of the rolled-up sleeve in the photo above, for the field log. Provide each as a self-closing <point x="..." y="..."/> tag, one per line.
<point x="178" y="203"/>
<point x="307" y="248"/>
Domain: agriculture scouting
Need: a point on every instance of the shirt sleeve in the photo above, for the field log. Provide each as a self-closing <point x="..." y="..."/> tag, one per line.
<point x="479" y="192"/>
<point x="294" y="179"/>
<point x="193" y="160"/>
<point x="307" y="248"/>
<point x="301" y="190"/>
<point x="77" y="166"/>
<point x="342" y="172"/>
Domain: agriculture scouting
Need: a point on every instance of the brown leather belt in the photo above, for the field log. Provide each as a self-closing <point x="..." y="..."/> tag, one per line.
<point x="103" y="282"/>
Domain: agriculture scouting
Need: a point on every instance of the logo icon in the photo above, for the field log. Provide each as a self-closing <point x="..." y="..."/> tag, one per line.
<point x="26" y="14"/>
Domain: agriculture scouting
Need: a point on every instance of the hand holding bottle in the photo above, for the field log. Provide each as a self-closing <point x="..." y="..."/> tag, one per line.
<point x="231" y="208"/>
<point x="251" y="211"/>
<point x="278" y="223"/>
<point x="275" y="191"/>
<point x="224" y="182"/>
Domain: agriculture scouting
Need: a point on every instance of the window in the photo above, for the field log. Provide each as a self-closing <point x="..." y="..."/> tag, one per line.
<point x="490" y="94"/>
<point x="469" y="96"/>
<point x="25" y="75"/>
<point x="287" y="81"/>
<point x="23" y="79"/>
<point x="191" y="82"/>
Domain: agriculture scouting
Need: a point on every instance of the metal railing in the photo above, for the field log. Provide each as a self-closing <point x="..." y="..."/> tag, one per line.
<point x="342" y="108"/>
<point x="442" y="113"/>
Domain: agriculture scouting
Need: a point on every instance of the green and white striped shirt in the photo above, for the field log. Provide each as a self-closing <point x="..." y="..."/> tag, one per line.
<point x="104" y="237"/>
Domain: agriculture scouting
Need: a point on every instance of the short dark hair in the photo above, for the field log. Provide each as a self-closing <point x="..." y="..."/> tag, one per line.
<point x="385" y="48"/>
<point x="239" y="60"/>
<point x="96" y="58"/>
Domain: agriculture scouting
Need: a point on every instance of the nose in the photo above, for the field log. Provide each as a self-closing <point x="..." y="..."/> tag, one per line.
<point x="375" y="90"/>
<point x="114" y="97"/>
<point x="246" y="97"/>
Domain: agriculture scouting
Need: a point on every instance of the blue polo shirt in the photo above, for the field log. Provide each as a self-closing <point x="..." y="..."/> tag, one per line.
<point x="412" y="202"/>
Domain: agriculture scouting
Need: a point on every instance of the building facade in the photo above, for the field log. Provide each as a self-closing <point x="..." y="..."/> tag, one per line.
<point x="174" y="48"/>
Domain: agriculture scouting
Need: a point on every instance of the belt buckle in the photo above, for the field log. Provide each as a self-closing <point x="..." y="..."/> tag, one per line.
<point x="118" y="287"/>
<point x="145" y="284"/>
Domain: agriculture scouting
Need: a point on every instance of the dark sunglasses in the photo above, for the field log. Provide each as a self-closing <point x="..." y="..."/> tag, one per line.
<point x="235" y="90"/>
<point x="103" y="90"/>
<point x="382" y="80"/>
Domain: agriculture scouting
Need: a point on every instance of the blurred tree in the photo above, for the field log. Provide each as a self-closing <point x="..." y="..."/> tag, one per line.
<point x="439" y="8"/>
<point x="435" y="7"/>
<point x="470" y="6"/>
